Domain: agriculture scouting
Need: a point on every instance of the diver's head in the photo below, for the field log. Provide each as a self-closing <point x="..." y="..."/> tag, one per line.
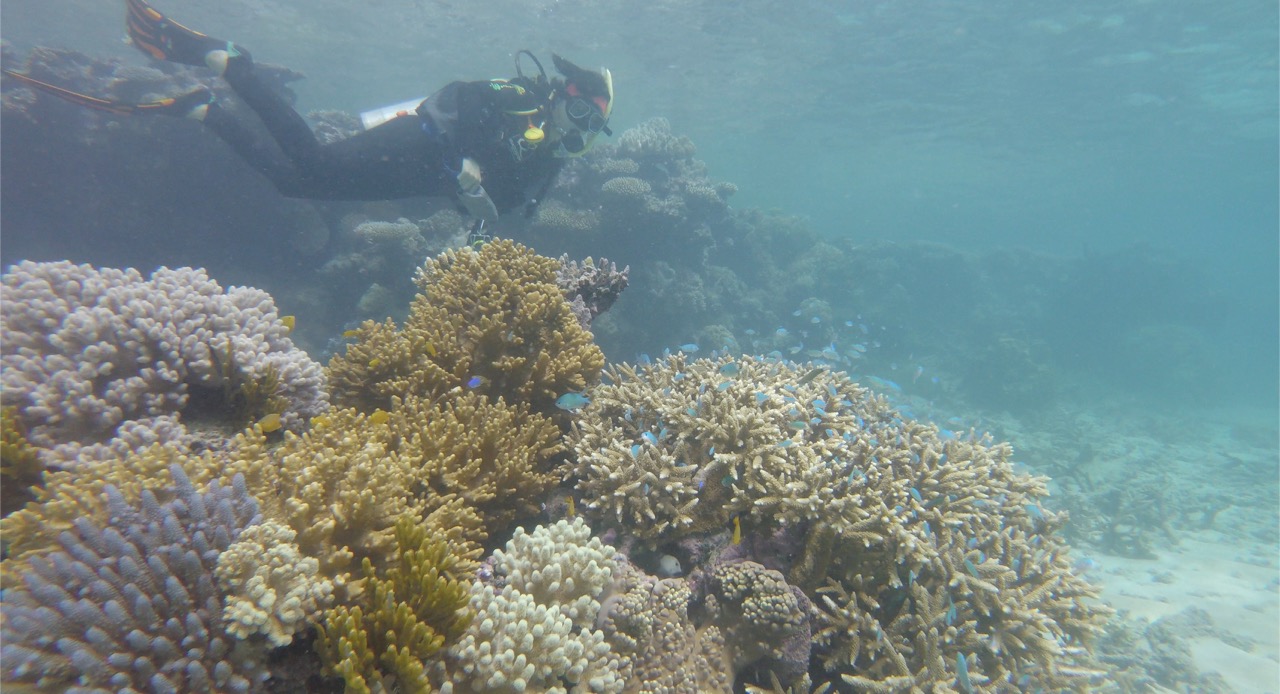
<point x="581" y="107"/>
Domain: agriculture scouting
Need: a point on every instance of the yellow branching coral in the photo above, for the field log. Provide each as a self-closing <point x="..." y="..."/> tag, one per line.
<point x="492" y="320"/>
<point x="408" y="615"/>
<point x="495" y="457"/>
<point x="932" y="548"/>
<point x="20" y="467"/>
<point x="70" y="494"/>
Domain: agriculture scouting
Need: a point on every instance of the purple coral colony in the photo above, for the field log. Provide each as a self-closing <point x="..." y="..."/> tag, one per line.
<point x="470" y="499"/>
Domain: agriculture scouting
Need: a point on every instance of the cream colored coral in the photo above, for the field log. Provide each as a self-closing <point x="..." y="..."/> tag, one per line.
<point x="559" y="565"/>
<point x="515" y="644"/>
<point x="271" y="588"/>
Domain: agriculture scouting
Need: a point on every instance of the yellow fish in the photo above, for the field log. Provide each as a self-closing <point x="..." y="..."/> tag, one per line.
<point x="431" y="349"/>
<point x="572" y="511"/>
<point x="289" y="322"/>
<point x="373" y="363"/>
<point x="737" y="531"/>
<point x="379" y="417"/>
<point x="321" y="421"/>
<point x="269" y="423"/>
<point x="350" y="333"/>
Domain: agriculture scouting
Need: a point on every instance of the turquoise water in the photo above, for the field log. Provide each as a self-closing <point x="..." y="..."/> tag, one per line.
<point x="1110" y="167"/>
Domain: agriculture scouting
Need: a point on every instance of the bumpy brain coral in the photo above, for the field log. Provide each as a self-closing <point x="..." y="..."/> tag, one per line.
<point x="87" y="349"/>
<point x="930" y="548"/>
<point x="492" y="321"/>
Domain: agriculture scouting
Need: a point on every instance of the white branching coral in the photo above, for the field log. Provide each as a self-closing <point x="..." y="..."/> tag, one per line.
<point x="271" y="588"/>
<point x="559" y="565"/>
<point x="535" y="633"/>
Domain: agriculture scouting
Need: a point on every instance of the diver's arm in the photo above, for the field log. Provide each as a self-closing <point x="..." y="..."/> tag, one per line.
<point x="472" y="195"/>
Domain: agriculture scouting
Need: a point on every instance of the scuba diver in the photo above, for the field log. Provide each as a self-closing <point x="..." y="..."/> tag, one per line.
<point x="494" y="145"/>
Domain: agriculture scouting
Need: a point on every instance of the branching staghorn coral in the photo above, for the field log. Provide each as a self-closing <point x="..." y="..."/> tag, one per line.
<point x="493" y="321"/>
<point x="406" y="617"/>
<point x="935" y="548"/>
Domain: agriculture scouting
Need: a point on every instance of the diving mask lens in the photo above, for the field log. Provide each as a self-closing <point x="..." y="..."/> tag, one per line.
<point x="585" y="115"/>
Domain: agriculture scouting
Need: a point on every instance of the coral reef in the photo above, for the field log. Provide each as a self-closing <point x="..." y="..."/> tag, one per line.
<point x="591" y="286"/>
<point x="535" y="631"/>
<point x="647" y="622"/>
<point x="406" y="616"/>
<point x="133" y="604"/>
<point x="88" y="349"/>
<point x="765" y="620"/>
<point x="897" y="516"/>
<point x="493" y="321"/>
<point x="20" y="467"/>
<point x="270" y="587"/>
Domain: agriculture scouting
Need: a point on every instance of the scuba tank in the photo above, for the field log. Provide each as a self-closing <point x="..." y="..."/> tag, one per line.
<point x="375" y="117"/>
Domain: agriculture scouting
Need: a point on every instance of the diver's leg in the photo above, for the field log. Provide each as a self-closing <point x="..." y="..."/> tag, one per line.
<point x="255" y="150"/>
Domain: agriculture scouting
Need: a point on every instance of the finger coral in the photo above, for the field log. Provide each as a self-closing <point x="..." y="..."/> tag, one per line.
<point x="536" y="631"/>
<point x="270" y="587"/>
<point x="932" y="548"/>
<point x="132" y="605"/>
<point x="493" y="321"/>
<point x="407" y="615"/>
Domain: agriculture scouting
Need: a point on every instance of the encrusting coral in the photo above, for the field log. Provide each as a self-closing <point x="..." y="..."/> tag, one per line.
<point x="407" y="615"/>
<point x="933" y="549"/>
<point x="492" y="321"/>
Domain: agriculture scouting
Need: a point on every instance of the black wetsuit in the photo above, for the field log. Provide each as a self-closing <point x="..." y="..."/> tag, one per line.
<point x="418" y="154"/>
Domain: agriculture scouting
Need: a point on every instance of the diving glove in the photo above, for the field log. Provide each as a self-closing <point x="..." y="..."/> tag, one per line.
<point x="478" y="204"/>
<point x="472" y="195"/>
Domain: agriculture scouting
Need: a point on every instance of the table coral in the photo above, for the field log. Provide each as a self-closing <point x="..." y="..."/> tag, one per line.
<point x="493" y="321"/>
<point x="87" y="349"/>
<point x="932" y="547"/>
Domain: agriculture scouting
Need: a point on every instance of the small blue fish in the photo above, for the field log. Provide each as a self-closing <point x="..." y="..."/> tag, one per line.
<point x="689" y="347"/>
<point x="749" y="331"/>
<point x="780" y="332"/>
<point x="951" y="611"/>
<point x="797" y="425"/>
<point x="815" y="320"/>
<point x="570" y="402"/>
<point x="692" y="412"/>
<point x="761" y="397"/>
<point x="962" y="674"/>
<point x="644" y="359"/>
<point x="915" y="494"/>
<point x="968" y="565"/>
<point x="475" y="382"/>
<point x="712" y="452"/>
<point x="785" y="443"/>
<point x="724" y="386"/>
<point x="730" y="369"/>
<point x="797" y="313"/>
<point x="678" y="376"/>
<point x="650" y="437"/>
<point x="635" y="451"/>
<point x="848" y="324"/>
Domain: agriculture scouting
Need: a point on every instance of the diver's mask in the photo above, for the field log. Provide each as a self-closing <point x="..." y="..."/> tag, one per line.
<point x="588" y="116"/>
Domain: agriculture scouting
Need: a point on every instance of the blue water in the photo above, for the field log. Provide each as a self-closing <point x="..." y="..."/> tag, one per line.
<point x="1138" y="136"/>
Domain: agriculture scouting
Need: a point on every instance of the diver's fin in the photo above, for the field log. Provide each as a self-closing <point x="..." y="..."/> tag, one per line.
<point x="164" y="39"/>
<point x="186" y="105"/>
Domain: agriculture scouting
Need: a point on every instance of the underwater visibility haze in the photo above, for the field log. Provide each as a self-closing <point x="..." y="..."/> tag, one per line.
<point x="881" y="346"/>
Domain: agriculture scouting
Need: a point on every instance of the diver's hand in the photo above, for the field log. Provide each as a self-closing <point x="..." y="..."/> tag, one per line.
<point x="479" y="204"/>
<point x="469" y="177"/>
